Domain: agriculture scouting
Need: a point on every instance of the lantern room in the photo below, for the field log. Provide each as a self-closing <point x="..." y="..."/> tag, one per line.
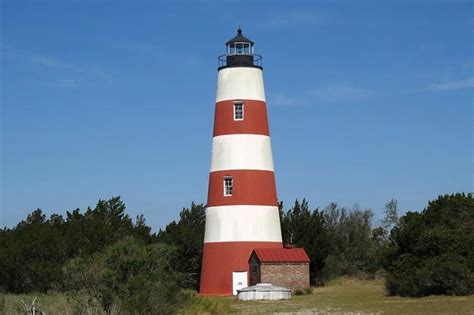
<point x="240" y="53"/>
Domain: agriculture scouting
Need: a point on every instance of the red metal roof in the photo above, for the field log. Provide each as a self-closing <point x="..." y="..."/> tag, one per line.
<point x="281" y="254"/>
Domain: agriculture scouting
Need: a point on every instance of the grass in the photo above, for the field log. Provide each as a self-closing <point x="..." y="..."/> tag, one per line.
<point x="51" y="303"/>
<point x="343" y="296"/>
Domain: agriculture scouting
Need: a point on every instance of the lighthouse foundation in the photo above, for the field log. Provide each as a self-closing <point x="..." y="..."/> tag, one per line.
<point x="222" y="260"/>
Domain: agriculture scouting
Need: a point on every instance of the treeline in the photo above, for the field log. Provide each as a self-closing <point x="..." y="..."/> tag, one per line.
<point x="422" y="253"/>
<point x="34" y="252"/>
<point x="103" y="256"/>
<point x="339" y="241"/>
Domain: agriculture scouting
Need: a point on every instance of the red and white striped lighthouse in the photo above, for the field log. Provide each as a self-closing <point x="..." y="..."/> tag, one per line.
<point x="242" y="209"/>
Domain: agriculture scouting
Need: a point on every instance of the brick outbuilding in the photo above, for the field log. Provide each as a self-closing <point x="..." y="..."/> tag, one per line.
<point x="286" y="267"/>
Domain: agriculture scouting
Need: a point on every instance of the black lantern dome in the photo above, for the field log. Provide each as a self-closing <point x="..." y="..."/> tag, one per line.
<point x="239" y="53"/>
<point x="239" y="39"/>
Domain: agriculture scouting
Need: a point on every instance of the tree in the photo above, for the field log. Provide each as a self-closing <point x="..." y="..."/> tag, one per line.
<point x="187" y="236"/>
<point x="305" y="228"/>
<point x="391" y="215"/>
<point x="32" y="254"/>
<point x="352" y="247"/>
<point x="432" y="252"/>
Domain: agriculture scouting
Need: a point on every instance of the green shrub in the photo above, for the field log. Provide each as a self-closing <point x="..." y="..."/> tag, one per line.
<point x="303" y="291"/>
<point x="445" y="275"/>
<point x="129" y="276"/>
<point x="298" y="292"/>
<point x="402" y="278"/>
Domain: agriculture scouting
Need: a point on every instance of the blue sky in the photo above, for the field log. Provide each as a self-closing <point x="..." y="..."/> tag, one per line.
<point x="367" y="100"/>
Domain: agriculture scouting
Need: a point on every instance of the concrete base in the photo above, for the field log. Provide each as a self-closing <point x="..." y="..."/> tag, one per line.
<point x="265" y="292"/>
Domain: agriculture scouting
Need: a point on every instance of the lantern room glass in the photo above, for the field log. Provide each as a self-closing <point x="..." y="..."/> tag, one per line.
<point x="239" y="48"/>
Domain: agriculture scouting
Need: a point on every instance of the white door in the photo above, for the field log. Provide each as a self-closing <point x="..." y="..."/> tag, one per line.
<point x="239" y="281"/>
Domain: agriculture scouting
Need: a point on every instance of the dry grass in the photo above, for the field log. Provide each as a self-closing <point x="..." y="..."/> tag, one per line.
<point x="344" y="296"/>
<point x="51" y="303"/>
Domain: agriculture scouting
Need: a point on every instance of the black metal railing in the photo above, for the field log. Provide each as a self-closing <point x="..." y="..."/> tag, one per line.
<point x="240" y="60"/>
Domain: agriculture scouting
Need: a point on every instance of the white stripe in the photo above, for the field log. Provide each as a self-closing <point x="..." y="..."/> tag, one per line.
<point x="241" y="152"/>
<point x="240" y="83"/>
<point x="245" y="223"/>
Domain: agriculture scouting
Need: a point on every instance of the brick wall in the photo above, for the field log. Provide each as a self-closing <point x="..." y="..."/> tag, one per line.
<point x="291" y="276"/>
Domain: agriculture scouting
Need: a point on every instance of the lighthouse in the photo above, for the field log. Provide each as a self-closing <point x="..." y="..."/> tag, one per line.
<point x="242" y="208"/>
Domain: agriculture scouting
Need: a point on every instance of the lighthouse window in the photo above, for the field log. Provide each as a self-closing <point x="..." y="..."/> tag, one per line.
<point x="238" y="111"/>
<point x="228" y="185"/>
<point x="247" y="49"/>
<point x="240" y="48"/>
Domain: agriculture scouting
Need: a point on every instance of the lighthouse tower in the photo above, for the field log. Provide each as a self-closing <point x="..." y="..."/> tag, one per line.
<point x="242" y="210"/>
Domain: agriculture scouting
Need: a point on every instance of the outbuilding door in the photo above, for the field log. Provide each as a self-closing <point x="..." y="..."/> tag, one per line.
<point x="239" y="281"/>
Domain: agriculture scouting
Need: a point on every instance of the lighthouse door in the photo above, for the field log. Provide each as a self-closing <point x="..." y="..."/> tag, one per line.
<point x="239" y="281"/>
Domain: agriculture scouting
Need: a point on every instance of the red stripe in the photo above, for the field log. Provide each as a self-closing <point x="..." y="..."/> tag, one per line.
<point x="250" y="187"/>
<point x="255" y="119"/>
<point x="219" y="260"/>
